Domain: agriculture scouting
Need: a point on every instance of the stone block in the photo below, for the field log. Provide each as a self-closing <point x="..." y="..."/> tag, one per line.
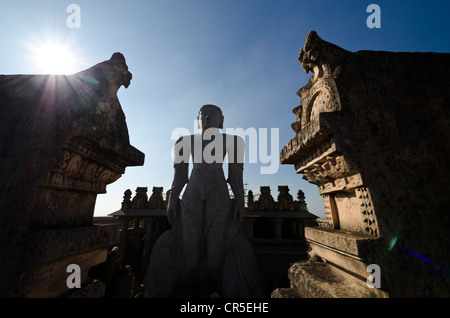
<point x="322" y="280"/>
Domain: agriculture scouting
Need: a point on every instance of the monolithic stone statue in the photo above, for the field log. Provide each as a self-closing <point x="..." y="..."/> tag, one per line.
<point x="204" y="252"/>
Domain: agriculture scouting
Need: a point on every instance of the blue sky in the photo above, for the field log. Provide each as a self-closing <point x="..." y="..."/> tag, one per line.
<point x="238" y="54"/>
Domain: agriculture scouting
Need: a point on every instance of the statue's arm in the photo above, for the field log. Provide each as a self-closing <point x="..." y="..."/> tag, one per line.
<point x="180" y="178"/>
<point x="181" y="175"/>
<point x="235" y="174"/>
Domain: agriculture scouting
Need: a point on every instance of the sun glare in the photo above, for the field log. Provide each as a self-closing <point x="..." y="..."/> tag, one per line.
<point x="54" y="59"/>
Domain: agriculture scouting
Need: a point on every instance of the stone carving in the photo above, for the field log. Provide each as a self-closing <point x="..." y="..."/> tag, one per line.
<point x="156" y="201"/>
<point x="126" y="203"/>
<point x="327" y="169"/>
<point x="317" y="97"/>
<point x="369" y="132"/>
<point x="118" y="279"/>
<point x="285" y="200"/>
<point x="140" y="200"/>
<point x="313" y="150"/>
<point x="64" y="139"/>
<point x="250" y="200"/>
<point x="205" y="252"/>
<point x="367" y="211"/>
<point x="320" y="94"/>
<point x="301" y="204"/>
<point x="331" y="220"/>
<point x="266" y="201"/>
<point x="83" y="173"/>
<point x="320" y="57"/>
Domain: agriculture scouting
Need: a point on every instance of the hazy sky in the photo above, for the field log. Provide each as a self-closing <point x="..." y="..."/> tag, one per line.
<point x="238" y="54"/>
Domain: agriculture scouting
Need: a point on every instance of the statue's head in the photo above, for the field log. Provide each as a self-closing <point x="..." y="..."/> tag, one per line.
<point x="210" y="116"/>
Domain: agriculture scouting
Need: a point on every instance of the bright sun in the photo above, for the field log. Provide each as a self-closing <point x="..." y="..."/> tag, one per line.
<point x="54" y="59"/>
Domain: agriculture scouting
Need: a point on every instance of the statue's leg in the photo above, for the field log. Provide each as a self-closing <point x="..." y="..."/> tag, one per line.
<point x="217" y="240"/>
<point x="193" y="247"/>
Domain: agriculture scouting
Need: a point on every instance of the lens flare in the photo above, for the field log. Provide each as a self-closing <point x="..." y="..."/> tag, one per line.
<point x="392" y="243"/>
<point x="411" y="252"/>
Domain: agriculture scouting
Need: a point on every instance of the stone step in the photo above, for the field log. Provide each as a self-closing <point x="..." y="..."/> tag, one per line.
<point x="323" y="280"/>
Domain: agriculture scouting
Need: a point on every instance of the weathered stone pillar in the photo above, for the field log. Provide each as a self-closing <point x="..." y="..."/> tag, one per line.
<point x="64" y="139"/>
<point x="248" y="226"/>
<point x="372" y="132"/>
<point x="124" y="224"/>
<point x="149" y="223"/>
<point x="277" y="228"/>
<point x="299" y="228"/>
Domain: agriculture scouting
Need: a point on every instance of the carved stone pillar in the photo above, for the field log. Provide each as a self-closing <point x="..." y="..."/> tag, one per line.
<point x="64" y="139"/>
<point x="370" y="134"/>
<point x="248" y="222"/>
<point x="124" y="234"/>
<point x="149" y="223"/>
<point x="277" y="228"/>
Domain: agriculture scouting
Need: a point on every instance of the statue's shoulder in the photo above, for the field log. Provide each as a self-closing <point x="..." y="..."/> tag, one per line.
<point x="232" y="136"/>
<point x="185" y="138"/>
<point x="235" y="138"/>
